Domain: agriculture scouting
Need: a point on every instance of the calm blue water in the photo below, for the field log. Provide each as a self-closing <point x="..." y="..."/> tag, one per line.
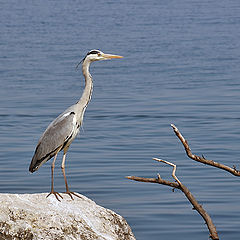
<point x="181" y="66"/>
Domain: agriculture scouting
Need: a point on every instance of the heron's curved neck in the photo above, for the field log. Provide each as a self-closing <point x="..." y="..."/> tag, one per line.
<point x="87" y="93"/>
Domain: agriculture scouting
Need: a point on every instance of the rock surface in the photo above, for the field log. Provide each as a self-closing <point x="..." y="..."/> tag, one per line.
<point x="33" y="216"/>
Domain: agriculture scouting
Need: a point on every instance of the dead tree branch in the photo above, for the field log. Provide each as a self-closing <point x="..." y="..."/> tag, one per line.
<point x="158" y="180"/>
<point x="184" y="189"/>
<point x="203" y="160"/>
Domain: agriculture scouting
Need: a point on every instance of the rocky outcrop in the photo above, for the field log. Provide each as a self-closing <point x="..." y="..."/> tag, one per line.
<point x="33" y="216"/>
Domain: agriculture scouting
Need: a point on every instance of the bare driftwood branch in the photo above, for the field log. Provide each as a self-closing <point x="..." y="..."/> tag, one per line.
<point x="154" y="180"/>
<point x="203" y="160"/>
<point x="184" y="189"/>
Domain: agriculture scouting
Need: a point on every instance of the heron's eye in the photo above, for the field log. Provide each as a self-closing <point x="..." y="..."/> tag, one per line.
<point x="99" y="54"/>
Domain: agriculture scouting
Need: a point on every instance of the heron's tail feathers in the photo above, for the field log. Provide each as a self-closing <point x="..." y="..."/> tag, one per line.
<point x="42" y="154"/>
<point x="38" y="160"/>
<point x="34" y="166"/>
<point x="36" y="163"/>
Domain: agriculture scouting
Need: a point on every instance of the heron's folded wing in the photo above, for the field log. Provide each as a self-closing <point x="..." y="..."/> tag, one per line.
<point x="53" y="139"/>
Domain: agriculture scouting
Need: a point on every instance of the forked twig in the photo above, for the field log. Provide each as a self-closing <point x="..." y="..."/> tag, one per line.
<point x="184" y="189"/>
<point x="194" y="202"/>
<point x="189" y="153"/>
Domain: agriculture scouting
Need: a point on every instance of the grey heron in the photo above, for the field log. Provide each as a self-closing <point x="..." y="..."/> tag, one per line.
<point x="61" y="132"/>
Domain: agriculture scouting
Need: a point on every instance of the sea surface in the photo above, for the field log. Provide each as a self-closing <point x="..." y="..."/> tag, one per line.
<point x="181" y="65"/>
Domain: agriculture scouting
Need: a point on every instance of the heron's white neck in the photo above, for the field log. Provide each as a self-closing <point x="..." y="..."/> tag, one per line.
<point x="87" y="93"/>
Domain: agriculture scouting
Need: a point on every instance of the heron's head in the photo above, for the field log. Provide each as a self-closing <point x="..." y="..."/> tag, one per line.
<point x="97" y="55"/>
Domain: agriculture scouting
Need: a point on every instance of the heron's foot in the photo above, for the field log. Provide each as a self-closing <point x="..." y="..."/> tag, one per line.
<point x="56" y="194"/>
<point x="72" y="193"/>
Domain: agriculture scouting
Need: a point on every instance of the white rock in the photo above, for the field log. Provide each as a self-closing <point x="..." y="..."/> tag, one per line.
<point x="33" y="216"/>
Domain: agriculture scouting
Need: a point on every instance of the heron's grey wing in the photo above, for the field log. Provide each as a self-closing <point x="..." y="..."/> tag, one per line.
<point x="53" y="139"/>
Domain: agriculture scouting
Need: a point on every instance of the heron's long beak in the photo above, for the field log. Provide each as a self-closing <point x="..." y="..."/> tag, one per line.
<point x="110" y="56"/>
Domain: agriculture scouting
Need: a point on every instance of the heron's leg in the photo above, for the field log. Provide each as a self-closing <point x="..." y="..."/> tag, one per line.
<point x="56" y="194"/>
<point x="65" y="178"/>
